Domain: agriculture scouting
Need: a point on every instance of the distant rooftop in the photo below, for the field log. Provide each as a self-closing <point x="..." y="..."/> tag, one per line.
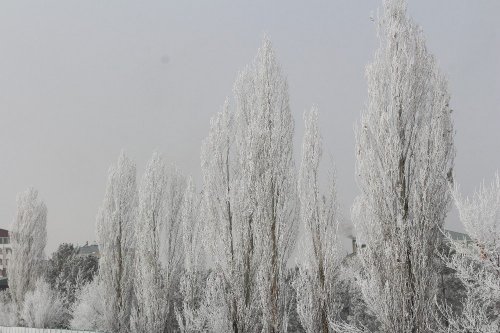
<point x="457" y="236"/>
<point x="4" y="233"/>
<point x="86" y="249"/>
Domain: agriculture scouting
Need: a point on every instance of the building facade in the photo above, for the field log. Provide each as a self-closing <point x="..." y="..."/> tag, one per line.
<point x="5" y="252"/>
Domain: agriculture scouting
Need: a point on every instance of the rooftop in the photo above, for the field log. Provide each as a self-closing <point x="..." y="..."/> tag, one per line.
<point x="4" y="233"/>
<point x="88" y="249"/>
<point x="457" y="236"/>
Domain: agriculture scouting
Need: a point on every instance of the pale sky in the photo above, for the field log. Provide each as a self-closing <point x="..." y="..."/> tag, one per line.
<point x="82" y="79"/>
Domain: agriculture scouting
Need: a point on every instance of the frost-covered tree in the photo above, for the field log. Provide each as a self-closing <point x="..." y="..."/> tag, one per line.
<point x="88" y="310"/>
<point x="43" y="307"/>
<point x="191" y="315"/>
<point x="28" y="239"/>
<point x="58" y="262"/>
<point x="115" y="235"/>
<point x="67" y="272"/>
<point x="317" y="283"/>
<point x="250" y="199"/>
<point x="404" y="153"/>
<point x="231" y="290"/>
<point x="354" y="311"/>
<point x="158" y="246"/>
<point x="268" y="179"/>
<point x="477" y="263"/>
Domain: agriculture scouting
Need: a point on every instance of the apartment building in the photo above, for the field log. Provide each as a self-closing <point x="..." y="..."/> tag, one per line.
<point x="5" y="252"/>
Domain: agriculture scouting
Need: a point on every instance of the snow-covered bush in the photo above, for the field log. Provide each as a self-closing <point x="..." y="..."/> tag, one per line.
<point x="477" y="263"/>
<point x="43" y="307"/>
<point x="88" y="310"/>
<point x="7" y="310"/>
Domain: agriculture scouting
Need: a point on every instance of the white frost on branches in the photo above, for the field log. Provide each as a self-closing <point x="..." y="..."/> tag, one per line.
<point x="405" y="153"/>
<point x="89" y="308"/>
<point x="7" y="310"/>
<point x="115" y="234"/>
<point x="477" y="264"/>
<point x="28" y="238"/>
<point x="318" y="278"/>
<point x="158" y="246"/>
<point x="268" y="179"/>
<point x="231" y="289"/>
<point x="250" y="198"/>
<point x="43" y="307"/>
<point x="191" y="316"/>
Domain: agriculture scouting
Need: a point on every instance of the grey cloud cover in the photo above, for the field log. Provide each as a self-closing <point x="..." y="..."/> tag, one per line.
<point x="80" y="80"/>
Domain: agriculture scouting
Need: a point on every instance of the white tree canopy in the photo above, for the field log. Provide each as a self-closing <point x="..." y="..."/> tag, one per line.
<point x="115" y="234"/>
<point x="250" y="198"/>
<point x="191" y="317"/>
<point x="318" y="278"/>
<point x="28" y="238"/>
<point x="405" y="153"/>
<point x="269" y="195"/>
<point x="477" y="263"/>
<point x="158" y="245"/>
<point x="43" y="307"/>
<point x="89" y="310"/>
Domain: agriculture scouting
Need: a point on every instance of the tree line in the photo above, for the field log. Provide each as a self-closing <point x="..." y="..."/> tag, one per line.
<point x="218" y="259"/>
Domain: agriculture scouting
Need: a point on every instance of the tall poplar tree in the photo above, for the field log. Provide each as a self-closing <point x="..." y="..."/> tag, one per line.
<point x="158" y="246"/>
<point x="404" y="154"/>
<point x="317" y="283"/>
<point x="28" y="238"/>
<point x="250" y="197"/>
<point x="115" y="235"/>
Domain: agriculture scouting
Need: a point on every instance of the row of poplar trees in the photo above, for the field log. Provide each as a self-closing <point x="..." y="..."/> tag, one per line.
<point x="218" y="259"/>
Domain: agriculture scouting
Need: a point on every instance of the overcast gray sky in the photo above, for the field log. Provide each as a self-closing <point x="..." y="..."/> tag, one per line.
<point x="80" y="80"/>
